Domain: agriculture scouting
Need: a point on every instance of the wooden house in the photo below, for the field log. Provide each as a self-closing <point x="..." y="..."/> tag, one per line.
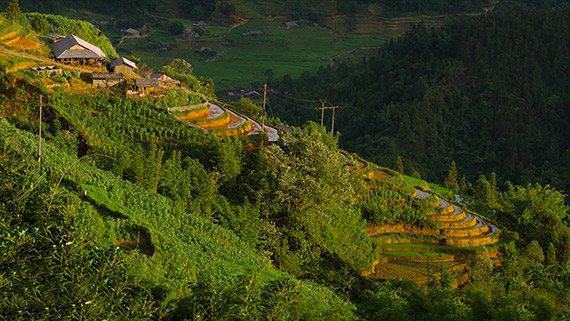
<point x="146" y="86"/>
<point x="165" y="81"/>
<point x="122" y="66"/>
<point x="131" y="33"/>
<point x="73" y="50"/>
<point x="107" y="79"/>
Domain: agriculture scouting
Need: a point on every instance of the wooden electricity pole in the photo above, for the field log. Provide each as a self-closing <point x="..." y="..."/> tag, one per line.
<point x="322" y="108"/>
<point x="263" y="115"/>
<point x="40" y="134"/>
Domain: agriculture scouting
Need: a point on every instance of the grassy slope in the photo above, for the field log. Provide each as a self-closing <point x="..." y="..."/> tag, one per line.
<point x="243" y="60"/>
<point x="190" y="248"/>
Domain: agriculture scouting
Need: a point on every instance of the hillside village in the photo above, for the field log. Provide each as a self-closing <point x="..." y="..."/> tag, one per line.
<point x="98" y="71"/>
<point x="116" y="71"/>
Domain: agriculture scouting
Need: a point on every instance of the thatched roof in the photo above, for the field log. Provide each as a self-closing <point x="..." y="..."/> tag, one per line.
<point x="62" y="49"/>
<point x="122" y="61"/>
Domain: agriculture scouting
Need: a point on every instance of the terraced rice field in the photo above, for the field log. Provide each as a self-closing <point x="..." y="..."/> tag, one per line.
<point x="226" y="122"/>
<point x="413" y="253"/>
<point x="14" y="36"/>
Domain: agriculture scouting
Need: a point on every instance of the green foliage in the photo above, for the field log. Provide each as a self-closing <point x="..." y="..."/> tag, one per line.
<point x="310" y="172"/>
<point x="175" y="28"/>
<point x="50" y="268"/>
<point x="392" y="201"/>
<point x="176" y="98"/>
<point x="247" y="107"/>
<point x="399" y="166"/>
<point x="47" y="23"/>
<point x="539" y="212"/>
<point x="182" y="70"/>
<point x="451" y="179"/>
<point x="13" y="11"/>
<point x="456" y="93"/>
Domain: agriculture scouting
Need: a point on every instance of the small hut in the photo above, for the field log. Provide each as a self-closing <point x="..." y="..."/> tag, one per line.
<point x="146" y="86"/>
<point x="165" y="81"/>
<point x="290" y="24"/>
<point x="131" y="33"/>
<point x="122" y="66"/>
<point x="107" y="79"/>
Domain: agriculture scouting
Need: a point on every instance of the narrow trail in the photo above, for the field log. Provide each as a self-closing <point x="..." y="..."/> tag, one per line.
<point x="241" y="21"/>
<point x="7" y="51"/>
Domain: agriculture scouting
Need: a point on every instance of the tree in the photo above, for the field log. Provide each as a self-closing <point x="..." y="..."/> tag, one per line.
<point x="483" y="191"/>
<point x="13" y="11"/>
<point x="539" y="212"/>
<point x="399" y="166"/>
<point x="177" y="66"/>
<point x="175" y="28"/>
<point x="534" y="253"/>
<point x="417" y="174"/>
<point x="451" y="180"/>
<point x="463" y="188"/>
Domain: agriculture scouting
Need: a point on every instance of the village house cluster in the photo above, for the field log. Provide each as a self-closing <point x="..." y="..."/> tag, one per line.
<point x="72" y="50"/>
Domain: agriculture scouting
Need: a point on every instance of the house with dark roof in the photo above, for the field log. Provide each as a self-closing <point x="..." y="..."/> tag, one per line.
<point x="290" y="24"/>
<point x="200" y="24"/>
<point x="73" y="50"/>
<point x="54" y="37"/>
<point x="122" y="66"/>
<point x="146" y="86"/>
<point x="256" y="33"/>
<point x="107" y="79"/>
<point x="131" y="33"/>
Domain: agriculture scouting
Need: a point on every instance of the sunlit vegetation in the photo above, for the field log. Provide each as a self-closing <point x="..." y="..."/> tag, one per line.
<point x="131" y="213"/>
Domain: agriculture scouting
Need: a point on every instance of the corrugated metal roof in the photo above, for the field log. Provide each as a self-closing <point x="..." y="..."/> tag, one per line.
<point x="120" y="61"/>
<point x="106" y="75"/>
<point x="61" y="49"/>
<point x="143" y="83"/>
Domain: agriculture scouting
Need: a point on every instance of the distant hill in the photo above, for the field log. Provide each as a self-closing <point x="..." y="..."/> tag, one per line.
<point x="488" y="92"/>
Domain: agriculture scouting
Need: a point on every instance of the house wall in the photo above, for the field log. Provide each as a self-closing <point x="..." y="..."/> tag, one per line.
<point x="123" y="69"/>
<point x="107" y="82"/>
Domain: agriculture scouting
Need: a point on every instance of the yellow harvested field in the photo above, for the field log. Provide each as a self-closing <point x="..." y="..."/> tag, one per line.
<point x="10" y="35"/>
<point x="23" y="43"/>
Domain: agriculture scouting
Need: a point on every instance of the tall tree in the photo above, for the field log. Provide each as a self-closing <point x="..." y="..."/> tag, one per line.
<point x="13" y="10"/>
<point x="451" y="180"/>
<point x="399" y="166"/>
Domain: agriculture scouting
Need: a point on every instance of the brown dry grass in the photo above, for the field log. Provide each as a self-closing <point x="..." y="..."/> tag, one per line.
<point x="24" y="44"/>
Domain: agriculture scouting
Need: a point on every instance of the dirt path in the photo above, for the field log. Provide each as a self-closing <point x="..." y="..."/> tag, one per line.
<point x="241" y="21"/>
<point x="7" y="51"/>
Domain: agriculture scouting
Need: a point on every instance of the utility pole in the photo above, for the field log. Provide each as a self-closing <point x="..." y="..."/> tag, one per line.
<point x="263" y="115"/>
<point x="40" y="134"/>
<point x="322" y="112"/>
<point x="322" y="108"/>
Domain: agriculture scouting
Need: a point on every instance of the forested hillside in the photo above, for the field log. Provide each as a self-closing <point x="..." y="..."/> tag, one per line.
<point x="490" y="92"/>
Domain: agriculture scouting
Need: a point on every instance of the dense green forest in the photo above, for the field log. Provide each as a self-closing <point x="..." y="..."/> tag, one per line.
<point x="490" y="92"/>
